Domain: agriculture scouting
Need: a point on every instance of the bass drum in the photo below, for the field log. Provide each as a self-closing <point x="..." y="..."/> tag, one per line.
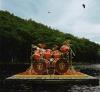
<point x="61" y="66"/>
<point x="40" y="67"/>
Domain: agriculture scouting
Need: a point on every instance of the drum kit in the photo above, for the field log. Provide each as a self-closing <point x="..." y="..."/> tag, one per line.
<point x="50" y="61"/>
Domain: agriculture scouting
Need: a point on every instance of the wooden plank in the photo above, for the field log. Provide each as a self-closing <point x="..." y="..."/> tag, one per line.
<point x="84" y="76"/>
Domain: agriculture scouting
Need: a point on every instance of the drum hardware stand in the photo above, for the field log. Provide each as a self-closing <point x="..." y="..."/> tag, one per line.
<point x="70" y="53"/>
<point x="31" y="66"/>
<point x="70" y="60"/>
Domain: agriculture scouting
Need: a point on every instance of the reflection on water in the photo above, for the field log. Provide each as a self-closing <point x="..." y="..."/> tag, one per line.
<point x="48" y="88"/>
<point x="85" y="89"/>
<point x="8" y="70"/>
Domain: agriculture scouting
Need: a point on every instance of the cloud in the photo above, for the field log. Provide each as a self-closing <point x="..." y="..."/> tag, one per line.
<point x="88" y="30"/>
<point x="93" y="12"/>
<point x="0" y="4"/>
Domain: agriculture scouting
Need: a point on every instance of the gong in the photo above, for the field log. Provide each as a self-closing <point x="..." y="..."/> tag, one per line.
<point x="61" y="66"/>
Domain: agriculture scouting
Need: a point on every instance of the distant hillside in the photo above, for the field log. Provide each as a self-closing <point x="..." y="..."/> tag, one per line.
<point x="17" y="35"/>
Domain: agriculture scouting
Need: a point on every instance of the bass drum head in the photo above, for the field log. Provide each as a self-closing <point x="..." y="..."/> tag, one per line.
<point x="61" y="66"/>
<point x="39" y="67"/>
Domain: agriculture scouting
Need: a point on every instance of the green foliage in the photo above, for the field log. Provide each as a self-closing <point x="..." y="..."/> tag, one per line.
<point x="17" y="35"/>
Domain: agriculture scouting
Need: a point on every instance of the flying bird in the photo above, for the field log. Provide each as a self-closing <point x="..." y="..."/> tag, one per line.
<point x="83" y="5"/>
<point x="49" y="12"/>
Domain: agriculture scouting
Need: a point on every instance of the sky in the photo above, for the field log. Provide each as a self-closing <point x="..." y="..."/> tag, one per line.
<point x="68" y="16"/>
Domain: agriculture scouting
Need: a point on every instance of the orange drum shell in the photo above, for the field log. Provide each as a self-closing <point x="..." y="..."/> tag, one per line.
<point x="56" y="54"/>
<point x="64" y="48"/>
<point x="40" y="67"/>
<point x="59" y="68"/>
<point x="47" y="54"/>
<point x="36" y="57"/>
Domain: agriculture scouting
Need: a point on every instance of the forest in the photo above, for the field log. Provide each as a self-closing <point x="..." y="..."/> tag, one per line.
<point x="17" y="35"/>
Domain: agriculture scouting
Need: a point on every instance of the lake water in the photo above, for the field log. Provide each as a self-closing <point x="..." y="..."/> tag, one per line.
<point x="9" y="70"/>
